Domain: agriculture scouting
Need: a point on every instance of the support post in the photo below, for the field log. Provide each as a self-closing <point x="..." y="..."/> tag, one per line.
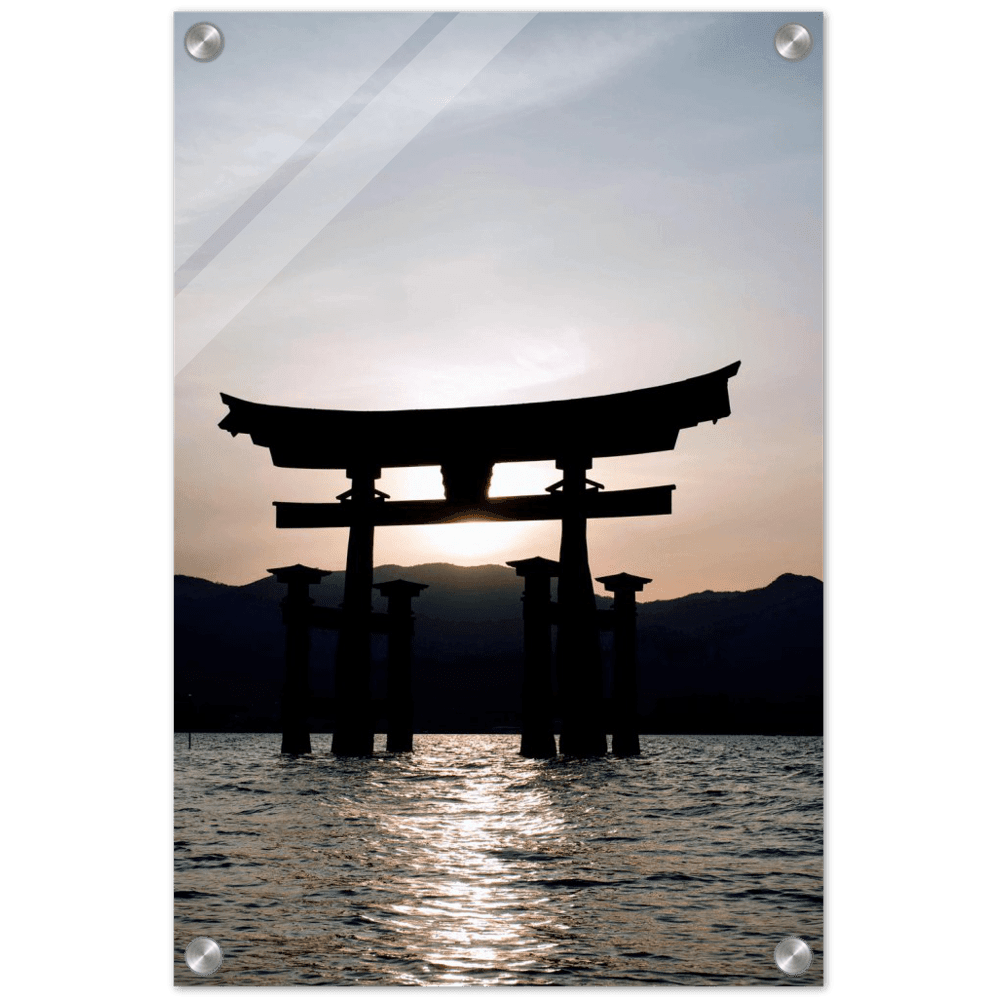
<point x="295" y="607"/>
<point x="578" y="642"/>
<point x="354" y="732"/>
<point x="536" y="691"/>
<point x="625" y="734"/>
<point x="399" y="731"/>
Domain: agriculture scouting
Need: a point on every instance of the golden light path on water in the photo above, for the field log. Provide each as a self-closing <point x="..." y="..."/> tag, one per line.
<point x="464" y="863"/>
<point x="479" y="913"/>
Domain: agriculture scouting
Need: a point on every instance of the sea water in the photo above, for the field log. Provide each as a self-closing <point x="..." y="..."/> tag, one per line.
<point x="464" y="863"/>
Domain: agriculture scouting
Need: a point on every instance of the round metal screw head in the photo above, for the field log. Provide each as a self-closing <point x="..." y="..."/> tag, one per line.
<point x="793" y="956"/>
<point x="203" y="41"/>
<point x="793" y="42"/>
<point x="203" y="956"/>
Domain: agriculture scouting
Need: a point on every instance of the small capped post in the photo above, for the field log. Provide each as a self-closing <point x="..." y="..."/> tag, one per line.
<point x="624" y="587"/>
<point x="399" y="733"/>
<point x="537" y="739"/>
<point x="295" y="607"/>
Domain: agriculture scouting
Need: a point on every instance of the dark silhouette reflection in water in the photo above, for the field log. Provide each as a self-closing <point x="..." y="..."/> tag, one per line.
<point x="466" y="863"/>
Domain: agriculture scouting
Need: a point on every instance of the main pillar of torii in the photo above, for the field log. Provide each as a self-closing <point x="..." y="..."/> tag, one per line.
<point x="466" y="443"/>
<point x="578" y="639"/>
<point x="354" y="726"/>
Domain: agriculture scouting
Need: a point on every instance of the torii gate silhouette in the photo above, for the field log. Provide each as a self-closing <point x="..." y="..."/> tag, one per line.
<point x="466" y="443"/>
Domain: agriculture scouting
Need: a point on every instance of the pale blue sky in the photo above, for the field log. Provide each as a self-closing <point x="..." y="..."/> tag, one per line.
<point x="614" y="201"/>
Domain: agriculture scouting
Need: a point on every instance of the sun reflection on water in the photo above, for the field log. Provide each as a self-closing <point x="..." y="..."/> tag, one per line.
<point x="476" y="863"/>
<point x="465" y="863"/>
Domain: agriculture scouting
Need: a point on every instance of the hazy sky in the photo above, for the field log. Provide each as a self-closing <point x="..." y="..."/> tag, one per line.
<point x="537" y="208"/>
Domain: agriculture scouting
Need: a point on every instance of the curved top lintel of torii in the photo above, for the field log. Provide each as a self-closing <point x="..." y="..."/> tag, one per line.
<point x="472" y="439"/>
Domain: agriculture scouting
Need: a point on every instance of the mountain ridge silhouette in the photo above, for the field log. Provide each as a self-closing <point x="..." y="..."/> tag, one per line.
<point x="713" y="661"/>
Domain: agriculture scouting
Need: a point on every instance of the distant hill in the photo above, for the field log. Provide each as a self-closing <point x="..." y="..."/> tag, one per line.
<point x="711" y="662"/>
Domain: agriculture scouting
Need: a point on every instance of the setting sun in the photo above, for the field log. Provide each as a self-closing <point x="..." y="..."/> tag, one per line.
<point x="474" y="540"/>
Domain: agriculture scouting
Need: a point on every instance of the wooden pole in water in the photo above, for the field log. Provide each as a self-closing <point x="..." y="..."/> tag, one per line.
<point x="354" y="731"/>
<point x="399" y="730"/>
<point x="537" y="740"/>
<point x="625" y="734"/>
<point x="295" y="692"/>
<point x="578" y="640"/>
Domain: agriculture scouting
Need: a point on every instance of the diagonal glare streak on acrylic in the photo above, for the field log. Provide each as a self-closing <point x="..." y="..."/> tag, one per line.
<point x="322" y="181"/>
<point x="311" y="148"/>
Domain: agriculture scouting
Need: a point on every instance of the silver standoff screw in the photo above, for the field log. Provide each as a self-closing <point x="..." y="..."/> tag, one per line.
<point x="203" y="41"/>
<point x="793" y="42"/>
<point x="203" y="956"/>
<point x="793" y="956"/>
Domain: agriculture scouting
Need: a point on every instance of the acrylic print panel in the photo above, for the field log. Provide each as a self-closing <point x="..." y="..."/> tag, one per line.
<point x="498" y="608"/>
